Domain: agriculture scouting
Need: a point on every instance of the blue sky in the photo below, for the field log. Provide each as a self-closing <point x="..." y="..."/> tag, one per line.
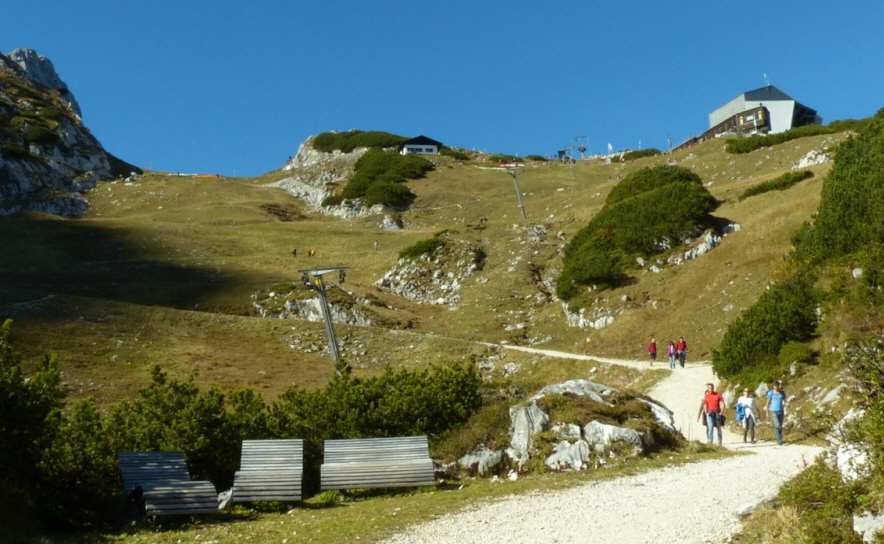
<point x="234" y="87"/>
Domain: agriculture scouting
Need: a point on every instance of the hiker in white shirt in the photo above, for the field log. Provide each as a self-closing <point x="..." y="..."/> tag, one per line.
<point x="750" y="411"/>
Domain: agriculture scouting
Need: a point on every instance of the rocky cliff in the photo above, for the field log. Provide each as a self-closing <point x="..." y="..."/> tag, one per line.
<point x="48" y="158"/>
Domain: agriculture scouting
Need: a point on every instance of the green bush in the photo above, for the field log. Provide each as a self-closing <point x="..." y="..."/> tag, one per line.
<point x="864" y="360"/>
<point x="779" y="183"/>
<point x="40" y="135"/>
<point x="795" y="352"/>
<point x="634" y="222"/>
<point x="422" y="247"/>
<point x="348" y="141"/>
<point x="390" y="194"/>
<point x="332" y="200"/>
<point x="851" y="213"/>
<point x="497" y="159"/>
<point x="53" y="114"/>
<point x="590" y="266"/>
<point x="454" y="154"/>
<point x="784" y="313"/>
<point x="64" y="466"/>
<point x="640" y="154"/>
<point x="537" y="158"/>
<point x="751" y="143"/>
<point x="649" y="178"/>
<point x="31" y="410"/>
<point x="171" y="414"/>
<point x="824" y="502"/>
<point x="385" y="168"/>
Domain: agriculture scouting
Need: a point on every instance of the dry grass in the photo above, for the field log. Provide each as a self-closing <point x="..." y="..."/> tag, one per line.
<point x="162" y="273"/>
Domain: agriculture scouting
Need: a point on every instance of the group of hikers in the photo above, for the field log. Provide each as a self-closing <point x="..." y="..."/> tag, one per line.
<point x="677" y="351"/>
<point x="713" y="404"/>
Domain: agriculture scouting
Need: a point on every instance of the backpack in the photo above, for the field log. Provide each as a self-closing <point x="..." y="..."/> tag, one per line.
<point x="741" y="412"/>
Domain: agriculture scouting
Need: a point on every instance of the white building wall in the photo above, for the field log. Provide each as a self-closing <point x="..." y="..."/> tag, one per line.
<point x="781" y="112"/>
<point x="420" y="150"/>
<point x="727" y="111"/>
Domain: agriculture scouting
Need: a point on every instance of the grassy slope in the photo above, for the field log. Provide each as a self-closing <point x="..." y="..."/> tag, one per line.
<point x="162" y="272"/>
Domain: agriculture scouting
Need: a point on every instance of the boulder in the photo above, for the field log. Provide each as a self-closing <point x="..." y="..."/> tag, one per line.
<point x="850" y="460"/>
<point x="868" y="525"/>
<point x="568" y="455"/>
<point x="583" y="388"/>
<point x="482" y="460"/>
<point x="525" y="421"/>
<point x="761" y="392"/>
<point x="601" y="437"/>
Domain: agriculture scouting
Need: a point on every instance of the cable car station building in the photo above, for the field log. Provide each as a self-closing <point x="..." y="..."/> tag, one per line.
<point x="767" y="110"/>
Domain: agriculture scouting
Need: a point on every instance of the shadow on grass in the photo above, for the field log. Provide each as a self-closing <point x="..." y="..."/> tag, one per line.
<point x="45" y="257"/>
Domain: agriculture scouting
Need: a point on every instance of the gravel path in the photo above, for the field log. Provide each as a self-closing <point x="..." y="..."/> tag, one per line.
<point x="694" y="503"/>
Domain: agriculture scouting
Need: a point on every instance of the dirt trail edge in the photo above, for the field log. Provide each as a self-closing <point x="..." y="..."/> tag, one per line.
<point x="693" y="503"/>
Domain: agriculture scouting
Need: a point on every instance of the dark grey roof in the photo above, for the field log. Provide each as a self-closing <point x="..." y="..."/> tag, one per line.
<point x="421" y="140"/>
<point x="766" y="93"/>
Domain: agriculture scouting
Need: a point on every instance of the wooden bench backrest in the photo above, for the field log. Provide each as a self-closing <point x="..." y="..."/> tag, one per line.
<point x="140" y="468"/>
<point x="370" y="450"/>
<point x="271" y="454"/>
<point x="377" y="463"/>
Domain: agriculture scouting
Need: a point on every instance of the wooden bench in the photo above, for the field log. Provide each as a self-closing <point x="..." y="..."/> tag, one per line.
<point x="377" y="462"/>
<point x="269" y="470"/>
<point x="163" y="479"/>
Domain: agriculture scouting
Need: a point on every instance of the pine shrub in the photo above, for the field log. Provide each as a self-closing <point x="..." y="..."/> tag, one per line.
<point x="454" y="154"/>
<point x="422" y="247"/>
<point x="851" y="212"/>
<point x="648" y="207"/>
<point x="640" y="154"/>
<point x="353" y="139"/>
<point x="779" y="183"/>
<point x="784" y="313"/>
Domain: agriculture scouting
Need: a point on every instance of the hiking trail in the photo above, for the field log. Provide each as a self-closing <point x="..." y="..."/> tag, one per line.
<point x="694" y="503"/>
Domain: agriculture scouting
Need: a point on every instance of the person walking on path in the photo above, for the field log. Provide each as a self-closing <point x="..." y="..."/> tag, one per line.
<point x="776" y="407"/>
<point x="746" y="414"/>
<point x="670" y="351"/>
<point x="712" y="406"/>
<point x="652" y="350"/>
<point x="681" y="350"/>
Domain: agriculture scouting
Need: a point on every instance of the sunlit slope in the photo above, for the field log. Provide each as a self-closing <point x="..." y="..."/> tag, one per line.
<point x="162" y="272"/>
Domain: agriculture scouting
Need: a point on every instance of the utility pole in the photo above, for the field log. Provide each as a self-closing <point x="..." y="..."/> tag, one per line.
<point x="312" y="278"/>
<point x="514" y="173"/>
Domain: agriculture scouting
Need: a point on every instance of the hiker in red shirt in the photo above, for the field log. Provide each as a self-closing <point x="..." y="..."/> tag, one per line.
<point x="681" y="350"/>
<point x="712" y="405"/>
<point x="652" y="350"/>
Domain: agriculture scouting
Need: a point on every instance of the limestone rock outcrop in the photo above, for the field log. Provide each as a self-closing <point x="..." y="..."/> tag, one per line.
<point x="41" y="70"/>
<point x="575" y="445"/>
<point x="48" y="158"/>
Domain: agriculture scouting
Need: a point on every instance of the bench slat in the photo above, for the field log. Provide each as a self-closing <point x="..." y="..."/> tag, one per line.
<point x="377" y="462"/>
<point x="165" y="480"/>
<point x="270" y="470"/>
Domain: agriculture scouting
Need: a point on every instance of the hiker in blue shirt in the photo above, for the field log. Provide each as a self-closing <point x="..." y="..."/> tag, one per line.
<point x="776" y="407"/>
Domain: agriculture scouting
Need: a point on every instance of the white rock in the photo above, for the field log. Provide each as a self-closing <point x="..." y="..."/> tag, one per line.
<point x="568" y="456"/>
<point x="482" y="460"/>
<point x="525" y="421"/>
<point x="868" y="525"/>
<point x="600" y="437"/>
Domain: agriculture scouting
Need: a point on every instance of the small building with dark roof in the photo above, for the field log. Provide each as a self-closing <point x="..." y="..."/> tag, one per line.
<point x="420" y="146"/>
<point x="767" y="109"/>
